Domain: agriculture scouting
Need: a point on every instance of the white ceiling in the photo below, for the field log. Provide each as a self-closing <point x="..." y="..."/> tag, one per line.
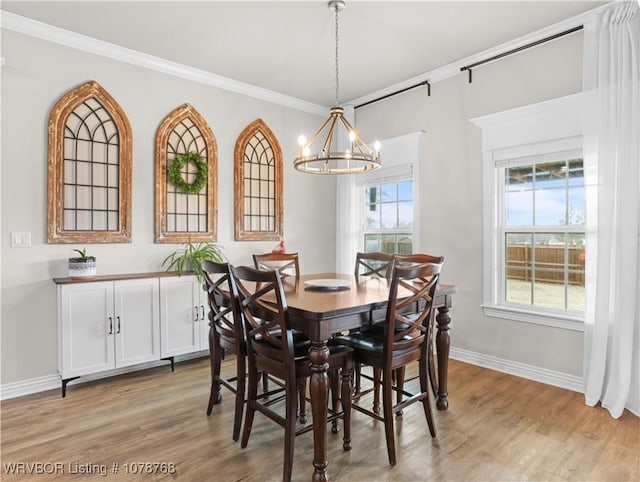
<point x="289" y="47"/>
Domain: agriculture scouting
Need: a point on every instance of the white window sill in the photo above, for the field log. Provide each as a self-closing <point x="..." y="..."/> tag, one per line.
<point x="574" y="323"/>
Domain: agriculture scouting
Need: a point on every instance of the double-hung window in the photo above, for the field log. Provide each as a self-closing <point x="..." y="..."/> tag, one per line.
<point x="534" y="214"/>
<point x="388" y="217"/>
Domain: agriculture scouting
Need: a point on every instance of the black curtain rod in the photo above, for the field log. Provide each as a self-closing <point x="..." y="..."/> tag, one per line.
<point x="475" y="64"/>
<point x="425" y="82"/>
<point x="513" y="51"/>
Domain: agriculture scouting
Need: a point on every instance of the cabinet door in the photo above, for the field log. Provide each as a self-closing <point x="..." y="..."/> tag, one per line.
<point x="87" y="327"/>
<point x="180" y="315"/>
<point x="137" y="321"/>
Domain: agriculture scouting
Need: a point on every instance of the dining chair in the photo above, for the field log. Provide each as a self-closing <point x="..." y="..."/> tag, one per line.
<point x="409" y="260"/>
<point x="226" y="334"/>
<point x="374" y="264"/>
<point x="379" y="265"/>
<point x="273" y="347"/>
<point x="286" y="264"/>
<point x="403" y="340"/>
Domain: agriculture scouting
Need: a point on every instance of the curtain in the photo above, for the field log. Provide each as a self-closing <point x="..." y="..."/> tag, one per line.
<point x="612" y="180"/>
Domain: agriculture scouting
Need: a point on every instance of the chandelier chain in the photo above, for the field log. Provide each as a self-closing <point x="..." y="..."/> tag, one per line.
<point x="337" y="66"/>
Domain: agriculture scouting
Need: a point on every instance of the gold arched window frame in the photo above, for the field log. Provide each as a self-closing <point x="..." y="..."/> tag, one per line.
<point x="209" y="150"/>
<point x="257" y="129"/>
<point x="58" y="117"/>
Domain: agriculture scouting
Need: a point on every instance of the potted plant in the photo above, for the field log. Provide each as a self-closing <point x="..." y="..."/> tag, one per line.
<point x="189" y="256"/>
<point x="83" y="266"/>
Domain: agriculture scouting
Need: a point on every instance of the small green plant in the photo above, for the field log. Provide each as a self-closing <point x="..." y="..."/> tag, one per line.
<point x="190" y="256"/>
<point x="83" y="255"/>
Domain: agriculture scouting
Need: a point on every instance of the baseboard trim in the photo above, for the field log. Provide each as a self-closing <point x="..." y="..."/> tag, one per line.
<point x="54" y="382"/>
<point x="530" y="372"/>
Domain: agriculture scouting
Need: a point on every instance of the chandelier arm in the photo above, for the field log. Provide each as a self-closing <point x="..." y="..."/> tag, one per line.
<point x="327" y="142"/>
<point x="357" y="142"/>
<point x="317" y="133"/>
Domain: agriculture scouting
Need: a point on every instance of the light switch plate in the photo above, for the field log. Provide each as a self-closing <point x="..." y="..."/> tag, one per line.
<point x="20" y="240"/>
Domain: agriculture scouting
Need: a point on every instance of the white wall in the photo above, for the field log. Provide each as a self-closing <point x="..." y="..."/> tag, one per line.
<point x="451" y="190"/>
<point x="35" y="74"/>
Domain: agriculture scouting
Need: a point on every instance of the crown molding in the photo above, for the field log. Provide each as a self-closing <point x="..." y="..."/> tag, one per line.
<point x="47" y="32"/>
<point x="451" y="70"/>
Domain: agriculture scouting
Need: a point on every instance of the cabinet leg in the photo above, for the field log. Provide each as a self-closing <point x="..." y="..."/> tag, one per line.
<point x="170" y="358"/>
<point x="64" y="385"/>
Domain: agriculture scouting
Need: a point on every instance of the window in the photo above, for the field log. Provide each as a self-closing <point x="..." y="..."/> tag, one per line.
<point x="89" y="184"/>
<point x="258" y="184"/>
<point x="534" y="214"/>
<point x="183" y="216"/>
<point x="388" y="217"/>
<point x="543" y="234"/>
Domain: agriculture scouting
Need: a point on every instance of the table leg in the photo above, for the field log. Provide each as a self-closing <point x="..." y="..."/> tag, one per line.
<point x="443" y="342"/>
<point x="318" y="391"/>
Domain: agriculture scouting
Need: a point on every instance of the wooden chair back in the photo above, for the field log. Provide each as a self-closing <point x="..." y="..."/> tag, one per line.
<point x="286" y="264"/>
<point x="224" y="315"/>
<point x="263" y="306"/>
<point x="406" y="332"/>
<point x="418" y="258"/>
<point x="374" y="264"/>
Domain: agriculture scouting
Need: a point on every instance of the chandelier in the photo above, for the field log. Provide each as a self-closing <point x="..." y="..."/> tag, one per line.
<point x="336" y="147"/>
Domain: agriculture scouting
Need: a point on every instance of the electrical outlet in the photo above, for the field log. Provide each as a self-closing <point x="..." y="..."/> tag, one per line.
<point x="20" y="240"/>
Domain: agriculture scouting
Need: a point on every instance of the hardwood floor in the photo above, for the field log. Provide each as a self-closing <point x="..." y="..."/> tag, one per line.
<point x="498" y="427"/>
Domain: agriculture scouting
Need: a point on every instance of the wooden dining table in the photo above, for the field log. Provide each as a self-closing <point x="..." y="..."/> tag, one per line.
<point x="322" y="312"/>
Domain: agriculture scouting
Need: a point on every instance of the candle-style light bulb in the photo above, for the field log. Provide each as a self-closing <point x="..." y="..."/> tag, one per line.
<point x="352" y="136"/>
<point x="302" y="140"/>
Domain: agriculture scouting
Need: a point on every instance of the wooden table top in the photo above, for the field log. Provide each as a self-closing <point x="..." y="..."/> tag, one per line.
<point x="336" y="309"/>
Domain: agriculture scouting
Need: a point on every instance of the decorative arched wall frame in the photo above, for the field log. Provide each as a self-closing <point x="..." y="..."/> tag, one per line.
<point x="258" y="181"/>
<point x="89" y="169"/>
<point x="184" y="216"/>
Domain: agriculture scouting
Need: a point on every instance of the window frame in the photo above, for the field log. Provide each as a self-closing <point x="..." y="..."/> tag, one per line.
<point x="163" y="134"/>
<point x="535" y="132"/>
<point x="63" y="108"/>
<point x="364" y="230"/>
<point x="242" y="234"/>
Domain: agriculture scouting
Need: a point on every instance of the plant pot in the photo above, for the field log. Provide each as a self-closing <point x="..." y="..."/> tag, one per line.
<point x="82" y="268"/>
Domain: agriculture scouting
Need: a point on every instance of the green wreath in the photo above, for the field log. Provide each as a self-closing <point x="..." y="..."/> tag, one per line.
<point x="175" y="172"/>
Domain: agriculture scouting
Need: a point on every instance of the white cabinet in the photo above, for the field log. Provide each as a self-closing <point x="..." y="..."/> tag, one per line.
<point x="107" y="324"/>
<point x="184" y="317"/>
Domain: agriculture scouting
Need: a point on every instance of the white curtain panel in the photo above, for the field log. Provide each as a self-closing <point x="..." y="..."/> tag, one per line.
<point x="612" y="175"/>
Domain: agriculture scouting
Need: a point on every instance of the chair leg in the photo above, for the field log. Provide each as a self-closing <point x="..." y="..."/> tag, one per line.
<point x="376" y="389"/>
<point x="215" y="356"/>
<point x="252" y="395"/>
<point x="240" y="388"/>
<point x="347" y="373"/>
<point x="302" y="400"/>
<point x="399" y="375"/>
<point x="358" y="378"/>
<point x="334" y="383"/>
<point x="426" y="403"/>
<point x="289" y="429"/>
<point x="387" y="407"/>
<point x="265" y="383"/>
